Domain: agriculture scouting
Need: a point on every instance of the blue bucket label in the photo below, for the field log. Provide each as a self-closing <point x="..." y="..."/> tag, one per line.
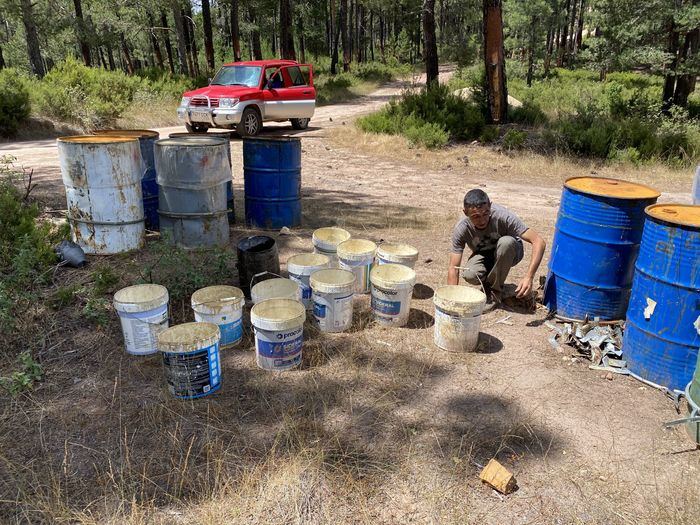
<point x="231" y="332"/>
<point x="193" y="374"/>
<point x="279" y="350"/>
<point x="385" y="307"/>
<point x="319" y="310"/>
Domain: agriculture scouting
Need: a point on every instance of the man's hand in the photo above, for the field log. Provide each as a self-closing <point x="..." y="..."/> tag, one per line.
<point x="524" y="288"/>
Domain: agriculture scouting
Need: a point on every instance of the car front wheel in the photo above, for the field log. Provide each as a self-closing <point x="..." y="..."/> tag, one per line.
<point x="196" y="128"/>
<point x="250" y="124"/>
<point x="300" y="123"/>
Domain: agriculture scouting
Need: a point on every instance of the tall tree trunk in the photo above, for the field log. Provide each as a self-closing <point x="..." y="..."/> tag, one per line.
<point x="286" y="31"/>
<point x="562" y="35"/>
<point x="81" y="32"/>
<point x="531" y="52"/>
<point x="154" y="42"/>
<point x="181" y="39"/>
<point x="236" y="32"/>
<point x="382" y="28"/>
<point x="685" y="80"/>
<point x="351" y="29"/>
<point x="166" y="40"/>
<point x="110" y="56"/>
<point x="127" y="55"/>
<point x="334" y="26"/>
<point x="548" y="51"/>
<point x="496" y="89"/>
<point x="273" y="37"/>
<point x="208" y="36"/>
<point x="670" y="80"/>
<point x="359" y="24"/>
<point x="189" y="24"/>
<point x="30" y="32"/>
<point x="343" y="21"/>
<point x="2" y="59"/>
<point x="101" y="54"/>
<point x="571" y="34"/>
<point x="371" y="34"/>
<point x="579" y="32"/>
<point x="256" y="47"/>
<point x="430" y="42"/>
<point x="300" y="32"/>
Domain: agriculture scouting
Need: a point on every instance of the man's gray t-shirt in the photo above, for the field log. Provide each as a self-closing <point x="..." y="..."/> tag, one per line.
<point x="502" y="222"/>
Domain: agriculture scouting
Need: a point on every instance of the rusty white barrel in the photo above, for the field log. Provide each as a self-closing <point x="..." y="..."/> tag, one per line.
<point x="192" y="178"/>
<point x="102" y="179"/>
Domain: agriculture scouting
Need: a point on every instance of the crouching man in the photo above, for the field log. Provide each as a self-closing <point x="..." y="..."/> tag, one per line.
<point x="495" y="237"/>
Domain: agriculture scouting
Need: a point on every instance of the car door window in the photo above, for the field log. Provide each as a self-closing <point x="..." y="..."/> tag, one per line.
<point x="296" y="76"/>
<point x="274" y="78"/>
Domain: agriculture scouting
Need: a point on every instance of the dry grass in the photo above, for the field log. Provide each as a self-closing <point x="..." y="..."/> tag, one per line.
<point x="142" y="115"/>
<point x="515" y="167"/>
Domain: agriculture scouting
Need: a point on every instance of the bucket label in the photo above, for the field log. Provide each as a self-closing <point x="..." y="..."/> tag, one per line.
<point x="231" y="332"/>
<point x="279" y="350"/>
<point x="141" y="330"/>
<point x="304" y="288"/>
<point x="385" y="307"/>
<point x="333" y="314"/>
<point x="193" y="374"/>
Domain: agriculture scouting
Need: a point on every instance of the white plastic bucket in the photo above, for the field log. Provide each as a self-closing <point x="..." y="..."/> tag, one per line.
<point x="326" y="241"/>
<point x="279" y="333"/>
<point x="300" y="267"/>
<point x="332" y="297"/>
<point x="397" y="253"/>
<point x="143" y="312"/>
<point x="191" y="360"/>
<point x="458" y="317"/>
<point x="392" y="287"/>
<point x="277" y="288"/>
<point x="357" y="256"/>
<point x="222" y="306"/>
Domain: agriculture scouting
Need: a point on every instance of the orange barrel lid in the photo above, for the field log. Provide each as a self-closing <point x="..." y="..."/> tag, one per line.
<point x="97" y="139"/>
<point x="138" y="133"/>
<point x="682" y="214"/>
<point x="604" y="187"/>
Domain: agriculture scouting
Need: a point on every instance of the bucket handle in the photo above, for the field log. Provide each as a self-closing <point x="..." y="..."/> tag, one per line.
<point x="481" y="283"/>
<point x="262" y="273"/>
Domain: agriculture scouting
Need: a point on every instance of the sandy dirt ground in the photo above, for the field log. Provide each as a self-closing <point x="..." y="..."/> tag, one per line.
<point x="584" y="448"/>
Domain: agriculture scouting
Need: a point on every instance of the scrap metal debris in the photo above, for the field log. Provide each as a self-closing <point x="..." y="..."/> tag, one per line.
<point x="601" y="344"/>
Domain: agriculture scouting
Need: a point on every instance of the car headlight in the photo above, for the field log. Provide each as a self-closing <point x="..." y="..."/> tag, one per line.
<point x="227" y="102"/>
<point x="184" y="102"/>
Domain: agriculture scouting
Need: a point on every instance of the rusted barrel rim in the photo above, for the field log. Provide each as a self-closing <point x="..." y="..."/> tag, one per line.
<point x="675" y="214"/>
<point x="138" y="133"/>
<point x="655" y="193"/>
<point x="97" y="139"/>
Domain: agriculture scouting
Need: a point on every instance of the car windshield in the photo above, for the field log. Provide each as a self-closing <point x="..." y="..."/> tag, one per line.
<point x="237" y="76"/>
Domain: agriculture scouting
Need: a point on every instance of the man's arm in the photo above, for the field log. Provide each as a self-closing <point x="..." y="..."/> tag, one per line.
<point x="453" y="270"/>
<point x="538" y="245"/>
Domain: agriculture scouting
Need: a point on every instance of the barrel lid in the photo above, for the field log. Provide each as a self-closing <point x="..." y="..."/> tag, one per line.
<point x="330" y="235"/>
<point x="215" y="134"/>
<point x="683" y="214"/>
<point x="138" y="133"/>
<point x="278" y="314"/>
<point x="188" y="337"/>
<point x="97" y="139"/>
<point x="392" y="275"/>
<point x="356" y="248"/>
<point x="605" y="187"/>
<point x="194" y="141"/>
<point x="140" y="298"/>
<point x="216" y="297"/>
<point x="256" y="244"/>
<point x="332" y="281"/>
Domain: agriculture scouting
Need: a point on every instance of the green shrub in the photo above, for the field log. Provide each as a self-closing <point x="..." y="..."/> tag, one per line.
<point x="14" y="101"/>
<point x="514" y="139"/>
<point x="489" y="134"/>
<point x="23" y="379"/>
<point x="429" y="135"/>
<point x="529" y="114"/>
<point x="89" y="97"/>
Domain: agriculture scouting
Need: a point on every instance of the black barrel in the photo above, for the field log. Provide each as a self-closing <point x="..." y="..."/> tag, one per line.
<point x="256" y="255"/>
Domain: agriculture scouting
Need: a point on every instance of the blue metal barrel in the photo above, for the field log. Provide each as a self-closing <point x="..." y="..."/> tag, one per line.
<point x="662" y="333"/>
<point x="149" y="187"/>
<point x="272" y="176"/>
<point x="596" y="241"/>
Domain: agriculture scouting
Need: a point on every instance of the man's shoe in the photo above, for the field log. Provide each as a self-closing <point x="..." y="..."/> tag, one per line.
<point x="493" y="300"/>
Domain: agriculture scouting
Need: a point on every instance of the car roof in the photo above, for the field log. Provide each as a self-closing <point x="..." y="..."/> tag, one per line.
<point x="262" y="63"/>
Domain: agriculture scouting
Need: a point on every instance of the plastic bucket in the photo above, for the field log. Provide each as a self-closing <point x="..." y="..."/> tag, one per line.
<point x="332" y="297"/>
<point x="300" y="267"/>
<point x="458" y="317"/>
<point x="397" y="253"/>
<point x="326" y="241"/>
<point x="279" y="333"/>
<point x="222" y="306"/>
<point x="392" y="288"/>
<point x="191" y="359"/>
<point x="277" y="288"/>
<point x="357" y="255"/>
<point x="143" y="312"/>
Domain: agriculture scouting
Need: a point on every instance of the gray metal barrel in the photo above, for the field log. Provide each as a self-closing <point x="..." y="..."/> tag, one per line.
<point x="102" y="178"/>
<point x="192" y="178"/>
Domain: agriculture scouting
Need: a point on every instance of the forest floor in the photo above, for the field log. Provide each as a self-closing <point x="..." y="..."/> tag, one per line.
<point x="378" y="426"/>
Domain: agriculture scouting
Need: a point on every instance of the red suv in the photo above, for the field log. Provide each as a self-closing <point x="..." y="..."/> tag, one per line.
<point x="243" y="95"/>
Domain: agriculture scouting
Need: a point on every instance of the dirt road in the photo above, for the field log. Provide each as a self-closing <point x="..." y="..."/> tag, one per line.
<point x="584" y="448"/>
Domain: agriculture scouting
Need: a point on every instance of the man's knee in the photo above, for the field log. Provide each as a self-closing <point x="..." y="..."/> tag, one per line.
<point x="506" y="245"/>
<point x="472" y="276"/>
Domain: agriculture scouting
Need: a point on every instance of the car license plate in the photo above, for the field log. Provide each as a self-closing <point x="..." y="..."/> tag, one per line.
<point x="199" y="116"/>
